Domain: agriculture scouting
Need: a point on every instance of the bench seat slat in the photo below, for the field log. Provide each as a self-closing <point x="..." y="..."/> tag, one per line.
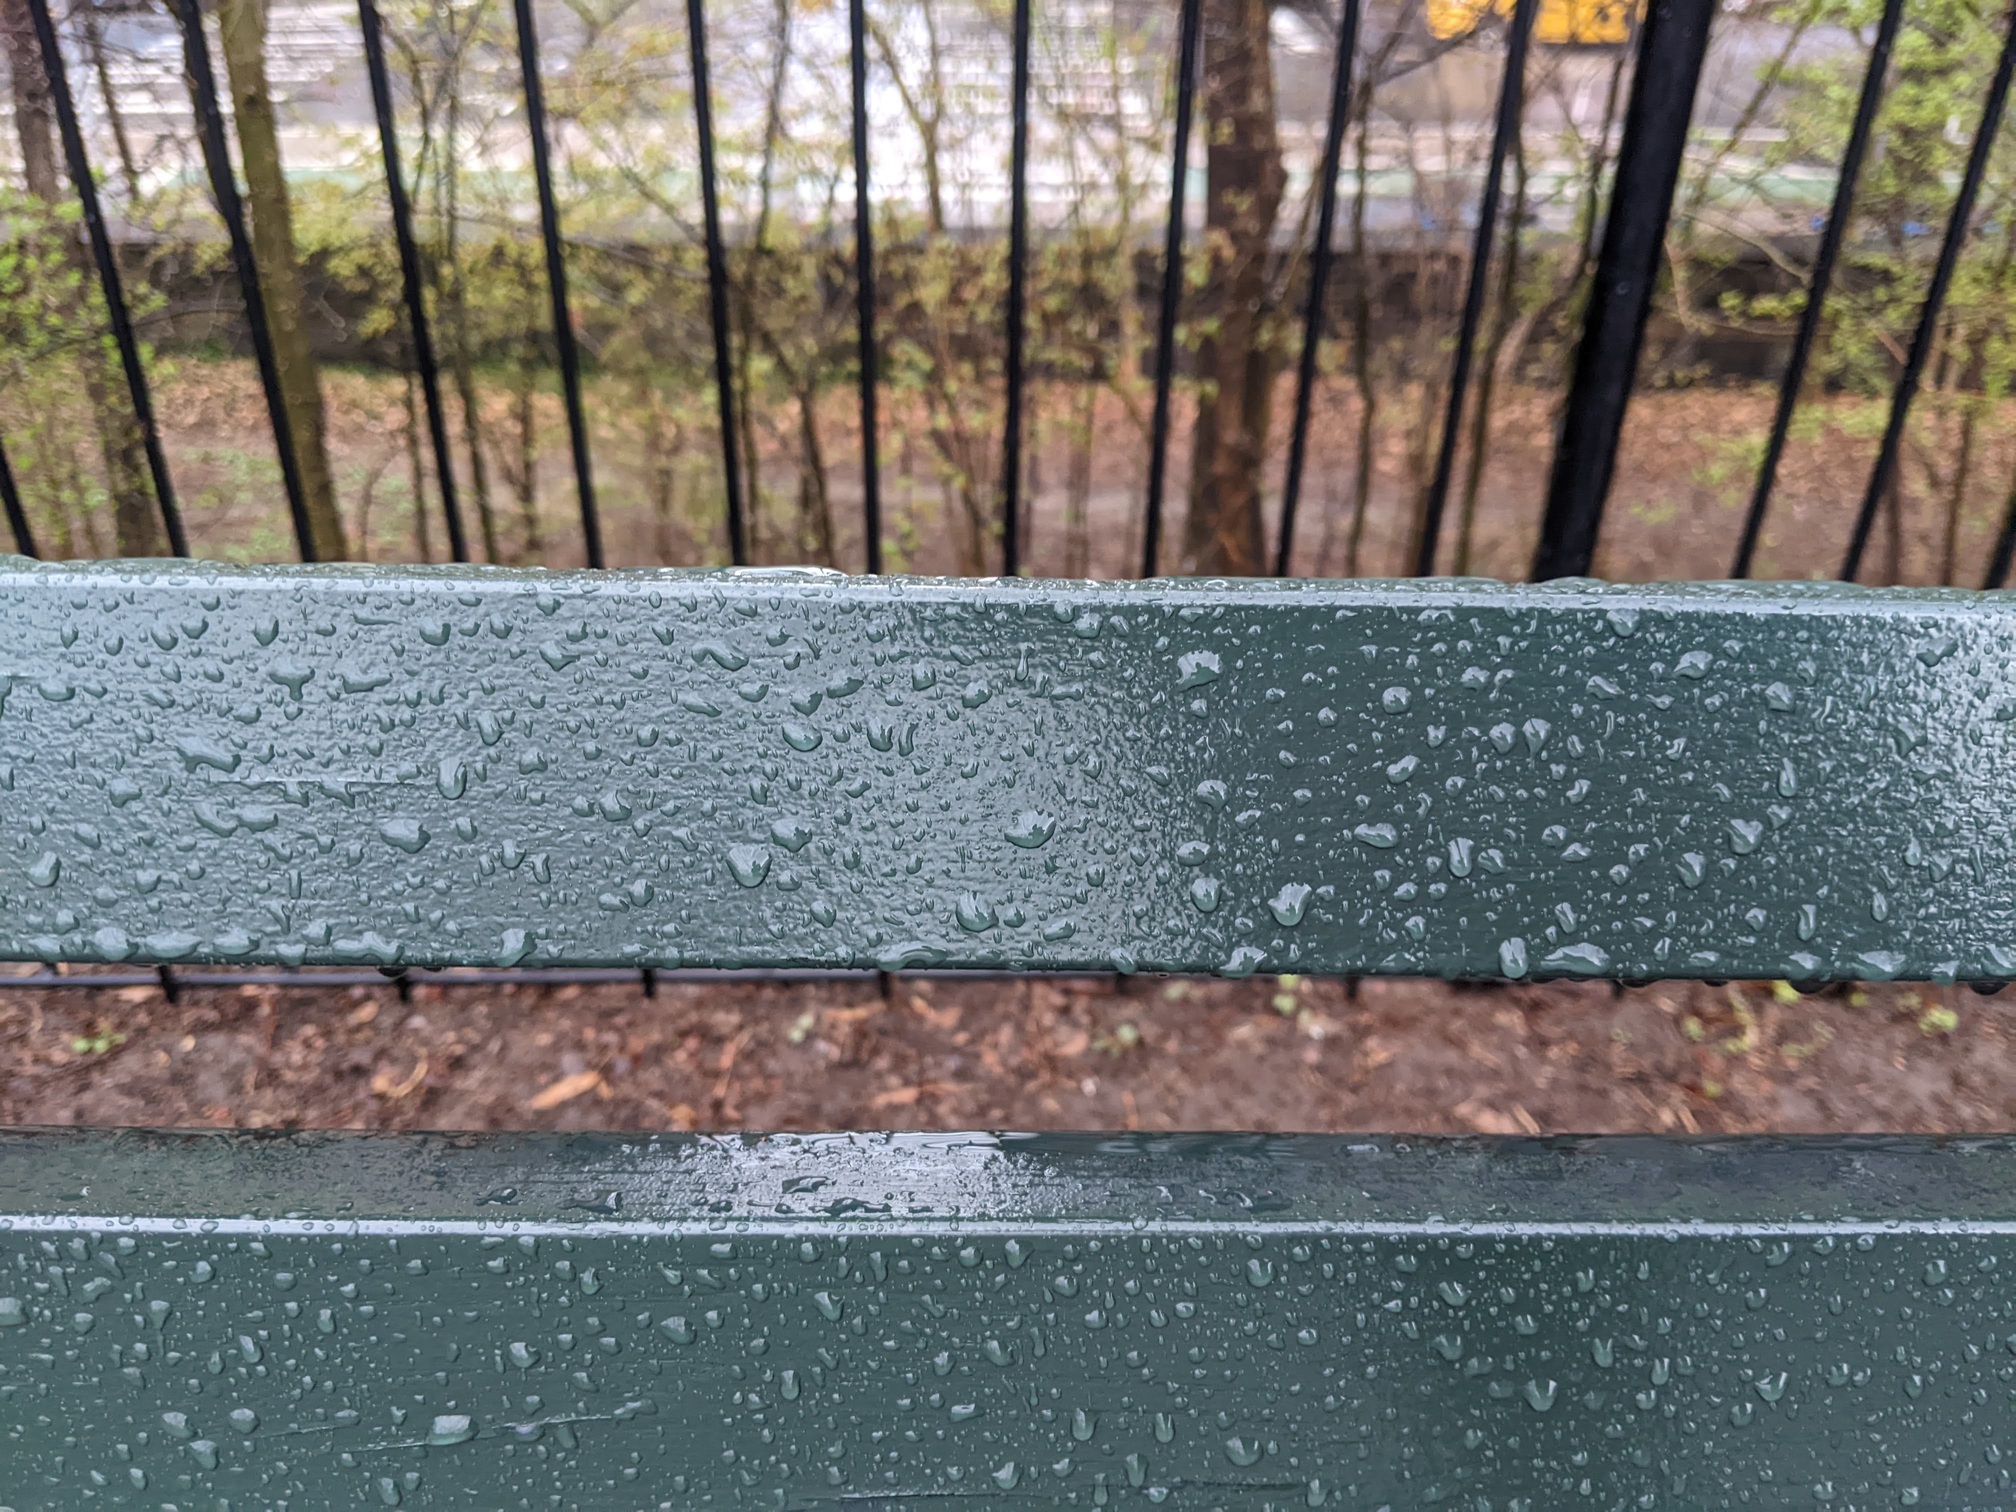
<point x="415" y="767"/>
<point x="330" y="1322"/>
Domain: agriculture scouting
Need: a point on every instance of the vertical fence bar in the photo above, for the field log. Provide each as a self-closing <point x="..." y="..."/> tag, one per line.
<point x="1172" y="284"/>
<point x="556" y="278"/>
<point x="1018" y="273"/>
<point x="1319" y="276"/>
<point x="109" y="282"/>
<point x="1831" y="237"/>
<point x="717" y="278"/>
<point x="217" y="157"/>
<point x="1670" y="51"/>
<point x="10" y="502"/>
<point x="1511" y="110"/>
<point x="1923" y="339"/>
<point x="410" y="276"/>
<point x="224" y="186"/>
<point x="864" y="287"/>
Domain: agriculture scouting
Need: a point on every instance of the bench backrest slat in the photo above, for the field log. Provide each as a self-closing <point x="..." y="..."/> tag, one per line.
<point x="410" y="766"/>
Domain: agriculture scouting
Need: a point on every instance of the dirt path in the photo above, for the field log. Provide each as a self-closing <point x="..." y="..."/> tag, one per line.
<point x="1401" y="1056"/>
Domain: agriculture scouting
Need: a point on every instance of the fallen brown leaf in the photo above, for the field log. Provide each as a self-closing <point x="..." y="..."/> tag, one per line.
<point x="383" y="1085"/>
<point x="564" y="1090"/>
<point x="937" y="1018"/>
<point x="1487" y="1120"/>
<point x="1376" y="1052"/>
<point x="903" y="1097"/>
<point x="1482" y="1055"/>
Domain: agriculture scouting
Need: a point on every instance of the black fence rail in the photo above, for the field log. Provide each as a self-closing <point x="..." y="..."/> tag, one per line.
<point x="1671" y="41"/>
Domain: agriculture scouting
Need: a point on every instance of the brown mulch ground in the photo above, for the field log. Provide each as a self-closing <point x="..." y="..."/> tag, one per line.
<point x="1683" y="479"/>
<point x="1150" y="1054"/>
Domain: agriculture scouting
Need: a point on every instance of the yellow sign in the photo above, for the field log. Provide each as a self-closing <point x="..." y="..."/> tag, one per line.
<point x="1587" y="22"/>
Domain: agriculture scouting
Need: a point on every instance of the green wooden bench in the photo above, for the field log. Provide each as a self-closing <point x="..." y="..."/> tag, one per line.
<point x="418" y="767"/>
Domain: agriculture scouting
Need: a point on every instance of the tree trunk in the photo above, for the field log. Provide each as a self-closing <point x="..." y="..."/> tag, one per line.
<point x="1506" y="309"/>
<point x="68" y="490"/>
<point x="454" y="302"/>
<point x="815" y="500"/>
<point x="1557" y="310"/>
<point x="1975" y="399"/>
<point x="367" y="498"/>
<point x="1078" y="485"/>
<point x="1361" y="354"/>
<point x="525" y="474"/>
<point x="115" y="116"/>
<point x="662" y="444"/>
<point x="1432" y="279"/>
<point x="423" y="534"/>
<point x="757" y="268"/>
<point x="1956" y="496"/>
<point x="926" y="121"/>
<point x="136" y="523"/>
<point x="1893" y="534"/>
<point x="242" y="27"/>
<point x="1236" y="359"/>
<point x="33" y="112"/>
<point x="464" y="376"/>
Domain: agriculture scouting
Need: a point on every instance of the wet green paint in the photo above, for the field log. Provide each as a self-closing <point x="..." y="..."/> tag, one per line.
<point x="411" y="767"/>
<point x="407" y="767"/>
<point x="861" y="1321"/>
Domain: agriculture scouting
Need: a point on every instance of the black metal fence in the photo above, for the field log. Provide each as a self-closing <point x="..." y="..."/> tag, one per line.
<point x="1671" y="42"/>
